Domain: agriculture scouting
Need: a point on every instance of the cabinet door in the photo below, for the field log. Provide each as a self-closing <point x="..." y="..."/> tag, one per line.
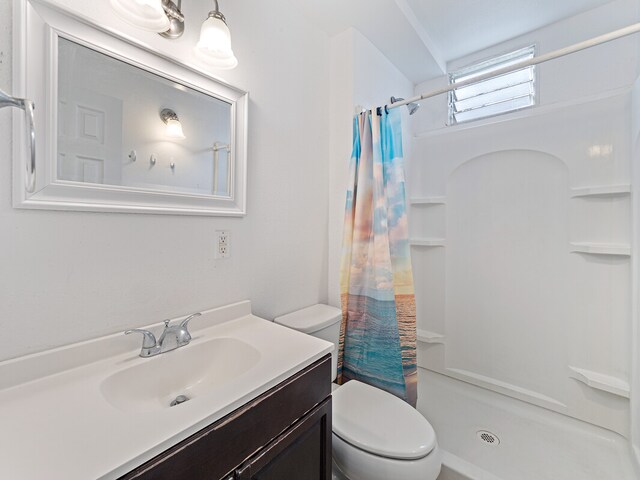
<point x="301" y="453"/>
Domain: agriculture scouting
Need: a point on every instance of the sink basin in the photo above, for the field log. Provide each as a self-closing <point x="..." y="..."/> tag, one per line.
<point x="191" y="371"/>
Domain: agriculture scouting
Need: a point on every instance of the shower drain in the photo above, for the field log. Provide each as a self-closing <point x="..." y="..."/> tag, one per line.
<point x="488" y="438"/>
<point x="178" y="400"/>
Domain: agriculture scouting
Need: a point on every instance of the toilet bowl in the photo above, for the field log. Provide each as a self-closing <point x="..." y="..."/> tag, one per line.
<point x="376" y="436"/>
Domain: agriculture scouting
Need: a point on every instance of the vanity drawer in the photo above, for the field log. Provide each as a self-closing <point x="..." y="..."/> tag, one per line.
<point x="218" y="449"/>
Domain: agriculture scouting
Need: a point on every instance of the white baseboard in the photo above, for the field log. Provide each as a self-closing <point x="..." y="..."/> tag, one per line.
<point x="635" y="456"/>
<point x="455" y="468"/>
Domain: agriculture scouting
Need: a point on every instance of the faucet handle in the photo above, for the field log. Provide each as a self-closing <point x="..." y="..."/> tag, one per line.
<point x="149" y="339"/>
<point x="186" y="321"/>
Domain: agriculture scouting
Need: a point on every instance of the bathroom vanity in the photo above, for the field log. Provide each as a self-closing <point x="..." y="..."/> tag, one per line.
<point x="285" y="433"/>
<point x="259" y="406"/>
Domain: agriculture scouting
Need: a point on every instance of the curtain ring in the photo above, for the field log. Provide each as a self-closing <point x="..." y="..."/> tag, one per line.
<point x="386" y="109"/>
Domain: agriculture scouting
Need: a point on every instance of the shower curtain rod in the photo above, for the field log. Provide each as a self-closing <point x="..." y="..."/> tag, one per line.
<point x="607" y="37"/>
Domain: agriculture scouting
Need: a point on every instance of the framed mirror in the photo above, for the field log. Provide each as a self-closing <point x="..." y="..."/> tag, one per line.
<point x="119" y="128"/>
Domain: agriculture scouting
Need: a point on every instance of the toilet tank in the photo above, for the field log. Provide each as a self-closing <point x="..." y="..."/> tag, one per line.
<point x="321" y="321"/>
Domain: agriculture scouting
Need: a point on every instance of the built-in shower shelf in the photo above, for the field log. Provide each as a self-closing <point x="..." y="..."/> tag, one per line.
<point x="601" y="381"/>
<point x="425" y="336"/>
<point x="601" y="191"/>
<point x="601" y="248"/>
<point x="428" y="201"/>
<point x="427" y="242"/>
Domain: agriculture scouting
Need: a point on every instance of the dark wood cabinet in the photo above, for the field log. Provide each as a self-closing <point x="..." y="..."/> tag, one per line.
<point x="302" y="453"/>
<point x="283" y="434"/>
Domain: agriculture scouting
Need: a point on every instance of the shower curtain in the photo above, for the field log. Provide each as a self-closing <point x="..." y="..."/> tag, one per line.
<point x="378" y="331"/>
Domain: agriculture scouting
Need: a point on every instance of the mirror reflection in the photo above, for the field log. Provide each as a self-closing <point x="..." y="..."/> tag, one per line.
<point x="124" y="126"/>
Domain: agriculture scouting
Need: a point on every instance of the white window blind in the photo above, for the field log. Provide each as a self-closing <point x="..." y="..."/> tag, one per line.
<point x="504" y="93"/>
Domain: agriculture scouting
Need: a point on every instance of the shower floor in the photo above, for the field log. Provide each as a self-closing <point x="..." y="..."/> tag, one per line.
<point x="534" y="443"/>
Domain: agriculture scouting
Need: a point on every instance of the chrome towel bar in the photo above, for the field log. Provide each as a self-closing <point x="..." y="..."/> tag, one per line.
<point x="28" y="106"/>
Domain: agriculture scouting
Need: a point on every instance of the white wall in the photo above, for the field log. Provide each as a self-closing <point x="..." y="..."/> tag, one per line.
<point x="516" y="307"/>
<point x="68" y="276"/>
<point x="585" y="73"/>
<point x="635" y="319"/>
<point x="360" y="76"/>
<point x="635" y="268"/>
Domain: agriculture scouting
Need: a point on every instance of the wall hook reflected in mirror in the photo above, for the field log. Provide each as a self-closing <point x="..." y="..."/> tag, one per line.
<point x="153" y="159"/>
<point x="221" y="146"/>
<point x="133" y="156"/>
<point x="172" y="165"/>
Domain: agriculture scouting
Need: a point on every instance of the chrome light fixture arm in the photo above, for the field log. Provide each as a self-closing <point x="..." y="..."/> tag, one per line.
<point x="28" y="106"/>
<point x="216" y="13"/>
<point x="173" y="10"/>
<point x="176" y="19"/>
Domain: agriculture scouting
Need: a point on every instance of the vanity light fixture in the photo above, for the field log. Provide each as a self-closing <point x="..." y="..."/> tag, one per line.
<point x="145" y="14"/>
<point x="160" y="16"/>
<point x="214" y="47"/>
<point x="174" y="127"/>
<point x="165" y="18"/>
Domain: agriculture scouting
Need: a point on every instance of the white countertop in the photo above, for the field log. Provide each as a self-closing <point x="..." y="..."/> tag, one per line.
<point x="56" y="424"/>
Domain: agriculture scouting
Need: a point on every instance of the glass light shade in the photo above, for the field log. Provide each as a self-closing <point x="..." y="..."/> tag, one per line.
<point x="174" y="129"/>
<point x="145" y="14"/>
<point x="214" y="47"/>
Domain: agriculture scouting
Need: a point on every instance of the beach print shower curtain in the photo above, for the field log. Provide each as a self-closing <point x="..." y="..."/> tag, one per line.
<point x="378" y="332"/>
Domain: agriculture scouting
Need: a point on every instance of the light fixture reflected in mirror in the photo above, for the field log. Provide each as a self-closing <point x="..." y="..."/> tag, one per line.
<point x="174" y="127"/>
<point x="146" y="14"/>
<point x="214" y="47"/>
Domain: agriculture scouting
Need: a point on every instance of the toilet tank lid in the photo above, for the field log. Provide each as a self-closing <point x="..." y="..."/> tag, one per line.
<point x="311" y="319"/>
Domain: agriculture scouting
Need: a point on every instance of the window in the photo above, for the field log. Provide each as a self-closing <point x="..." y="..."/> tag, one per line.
<point x="505" y="93"/>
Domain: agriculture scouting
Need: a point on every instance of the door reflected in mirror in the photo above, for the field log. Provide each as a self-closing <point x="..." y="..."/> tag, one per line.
<point x="121" y="125"/>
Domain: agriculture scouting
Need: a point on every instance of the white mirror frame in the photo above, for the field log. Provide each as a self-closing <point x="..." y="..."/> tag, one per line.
<point x="37" y="27"/>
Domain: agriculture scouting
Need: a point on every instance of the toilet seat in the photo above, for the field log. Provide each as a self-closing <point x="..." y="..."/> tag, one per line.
<point x="354" y="464"/>
<point x="380" y="423"/>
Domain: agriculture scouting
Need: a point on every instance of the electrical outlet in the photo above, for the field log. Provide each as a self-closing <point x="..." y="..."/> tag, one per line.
<point x="223" y="244"/>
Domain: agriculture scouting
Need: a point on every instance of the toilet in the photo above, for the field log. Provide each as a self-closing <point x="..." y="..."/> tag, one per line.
<point x="376" y="436"/>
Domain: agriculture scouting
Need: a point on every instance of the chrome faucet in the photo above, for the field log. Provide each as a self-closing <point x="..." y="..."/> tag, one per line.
<point x="172" y="337"/>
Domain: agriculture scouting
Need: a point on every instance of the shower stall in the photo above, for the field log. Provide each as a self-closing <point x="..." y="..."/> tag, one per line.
<point x="523" y="271"/>
<point x="523" y="233"/>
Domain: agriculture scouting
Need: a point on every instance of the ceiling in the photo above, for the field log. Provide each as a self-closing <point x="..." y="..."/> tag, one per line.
<point x="421" y="36"/>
